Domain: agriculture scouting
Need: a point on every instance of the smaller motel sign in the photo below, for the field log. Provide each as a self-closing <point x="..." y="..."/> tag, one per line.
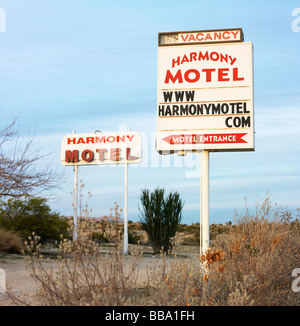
<point x="101" y="148"/>
<point x="205" y="91"/>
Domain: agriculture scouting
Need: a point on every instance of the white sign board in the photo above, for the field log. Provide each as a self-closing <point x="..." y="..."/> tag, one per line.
<point x="205" y="97"/>
<point x="101" y="148"/>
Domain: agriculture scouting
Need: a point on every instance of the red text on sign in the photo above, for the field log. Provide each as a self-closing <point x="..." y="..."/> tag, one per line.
<point x="100" y="139"/>
<point x="101" y="154"/>
<point x="212" y="36"/>
<point x="205" y="75"/>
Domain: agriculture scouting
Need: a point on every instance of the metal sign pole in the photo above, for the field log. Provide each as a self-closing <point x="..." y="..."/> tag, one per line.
<point x="75" y="198"/>
<point x="75" y="194"/>
<point x="205" y="201"/>
<point x="200" y="226"/>
<point x="125" y="249"/>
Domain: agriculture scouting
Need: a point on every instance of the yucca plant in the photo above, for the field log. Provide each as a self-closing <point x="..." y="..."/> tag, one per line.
<point x="160" y="217"/>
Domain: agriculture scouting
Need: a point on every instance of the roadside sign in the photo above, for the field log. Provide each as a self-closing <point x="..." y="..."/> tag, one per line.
<point x="101" y="148"/>
<point x="205" y="92"/>
<point x="204" y="100"/>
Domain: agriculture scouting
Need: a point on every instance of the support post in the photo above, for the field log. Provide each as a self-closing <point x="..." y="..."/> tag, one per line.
<point x="125" y="249"/>
<point x="125" y="246"/>
<point x="200" y="201"/>
<point x="205" y="201"/>
<point x="75" y="195"/>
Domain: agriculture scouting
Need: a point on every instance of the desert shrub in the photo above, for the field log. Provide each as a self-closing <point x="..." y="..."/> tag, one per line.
<point x="216" y="229"/>
<point x="83" y="274"/>
<point x="99" y="237"/>
<point x="258" y="256"/>
<point x="32" y="215"/>
<point x="191" y="234"/>
<point x="182" y="227"/>
<point x="176" y="282"/>
<point x="249" y="264"/>
<point x="160" y="217"/>
<point x="295" y="228"/>
<point x="134" y="238"/>
<point x="10" y="242"/>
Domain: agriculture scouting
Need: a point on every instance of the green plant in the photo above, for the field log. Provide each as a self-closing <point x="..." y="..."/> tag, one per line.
<point x="32" y="215"/>
<point x="160" y="217"/>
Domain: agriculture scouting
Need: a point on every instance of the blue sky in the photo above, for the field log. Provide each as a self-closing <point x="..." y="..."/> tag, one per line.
<point x="86" y="65"/>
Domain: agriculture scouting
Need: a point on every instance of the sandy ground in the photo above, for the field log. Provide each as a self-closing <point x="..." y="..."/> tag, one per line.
<point x="18" y="278"/>
<point x="20" y="282"/>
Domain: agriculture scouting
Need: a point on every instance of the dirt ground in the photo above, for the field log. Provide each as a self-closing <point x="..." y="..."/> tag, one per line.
<point x="18" y="278"/>
<point x="20" y="282"/>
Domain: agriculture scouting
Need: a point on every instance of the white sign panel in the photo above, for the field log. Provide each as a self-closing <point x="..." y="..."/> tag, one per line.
<point x="101" y="148"/>
<point x="205" y="97"/>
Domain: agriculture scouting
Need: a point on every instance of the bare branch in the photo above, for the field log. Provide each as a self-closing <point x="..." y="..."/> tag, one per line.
<point x="18" y="173"/>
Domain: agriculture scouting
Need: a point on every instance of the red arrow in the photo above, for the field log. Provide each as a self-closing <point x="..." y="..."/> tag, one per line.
<point x="205" y="139"/>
